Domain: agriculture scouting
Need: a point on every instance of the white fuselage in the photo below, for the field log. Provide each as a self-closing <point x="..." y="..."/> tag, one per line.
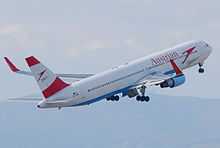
<point x="121" y="78"/>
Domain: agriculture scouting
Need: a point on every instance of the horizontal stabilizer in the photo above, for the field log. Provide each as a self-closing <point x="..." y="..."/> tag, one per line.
<point x="25" y="99"/>
<point x="15" y="69"/>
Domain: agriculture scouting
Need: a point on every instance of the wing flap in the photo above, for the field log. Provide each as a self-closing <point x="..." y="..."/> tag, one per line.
<point x="154" y="79"/>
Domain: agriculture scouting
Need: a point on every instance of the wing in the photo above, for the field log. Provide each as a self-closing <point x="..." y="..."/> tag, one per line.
<point x="155" y="78"/>
<point x="152" y="79"/>
<point x="13" y="68"/>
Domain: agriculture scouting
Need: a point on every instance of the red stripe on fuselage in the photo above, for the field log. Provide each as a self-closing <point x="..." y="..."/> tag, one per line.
<point x="32" y="61"/>
<point x="176" y="68"/>
<point x="55" y="87"/>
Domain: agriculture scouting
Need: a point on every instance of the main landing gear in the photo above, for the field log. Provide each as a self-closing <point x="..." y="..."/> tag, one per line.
<point x="142" y="96"/>
<point x="201" y="70"/>
<point x="113" y="98"/>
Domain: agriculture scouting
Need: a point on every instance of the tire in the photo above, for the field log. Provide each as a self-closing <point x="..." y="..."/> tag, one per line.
<point x="112" y="98"/>
<point x="142" y="99"/>
<point x="201" y="70"/>
<point x="116" y="98"/>
<point x="138" y="98"/>
<point x="147" y="98"/>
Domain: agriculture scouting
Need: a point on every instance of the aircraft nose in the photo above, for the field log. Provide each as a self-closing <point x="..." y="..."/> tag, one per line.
<point x="208" y="48"/>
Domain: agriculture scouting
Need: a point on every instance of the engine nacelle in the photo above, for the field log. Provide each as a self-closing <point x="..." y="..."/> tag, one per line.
<point x="174" y="82"/>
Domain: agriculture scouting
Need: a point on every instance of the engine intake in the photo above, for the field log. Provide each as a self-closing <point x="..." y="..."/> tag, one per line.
<point x="173" y="82"/>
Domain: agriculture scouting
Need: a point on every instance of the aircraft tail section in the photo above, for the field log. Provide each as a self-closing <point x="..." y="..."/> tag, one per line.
<point x="49" y="83"/>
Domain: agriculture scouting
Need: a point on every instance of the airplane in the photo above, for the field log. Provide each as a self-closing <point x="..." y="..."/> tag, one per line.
<point x="163" y="69"/>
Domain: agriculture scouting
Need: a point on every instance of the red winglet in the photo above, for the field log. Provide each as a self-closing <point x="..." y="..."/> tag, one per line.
<point x="32" y="61"/>
<point x="11" y="65"/>
<point x="176" y="68"/>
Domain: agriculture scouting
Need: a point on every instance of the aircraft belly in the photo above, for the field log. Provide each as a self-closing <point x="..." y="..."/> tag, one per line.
<point x="110" y="89"/>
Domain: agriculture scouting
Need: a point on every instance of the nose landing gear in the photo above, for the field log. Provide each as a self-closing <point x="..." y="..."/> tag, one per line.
<point x="201" y="70"/>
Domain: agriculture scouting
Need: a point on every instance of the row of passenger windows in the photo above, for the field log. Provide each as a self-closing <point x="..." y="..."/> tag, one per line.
<point x="124" y="77"/>
<point x="119" y="79"/>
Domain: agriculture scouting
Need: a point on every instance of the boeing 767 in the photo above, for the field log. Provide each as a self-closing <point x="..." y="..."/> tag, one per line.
<point x="163" y="69"/>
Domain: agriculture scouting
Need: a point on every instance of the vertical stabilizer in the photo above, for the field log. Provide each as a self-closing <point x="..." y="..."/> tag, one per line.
<point x="48" y="82"/>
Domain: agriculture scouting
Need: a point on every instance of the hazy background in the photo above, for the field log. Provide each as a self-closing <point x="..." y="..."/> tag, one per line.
<point x="92" y="36"/>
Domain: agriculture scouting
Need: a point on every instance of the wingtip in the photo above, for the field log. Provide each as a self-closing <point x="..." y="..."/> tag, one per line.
<point x="11" y="65"/>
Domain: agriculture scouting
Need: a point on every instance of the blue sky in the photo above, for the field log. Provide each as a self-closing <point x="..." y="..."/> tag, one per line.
<point x="92" y="36"/>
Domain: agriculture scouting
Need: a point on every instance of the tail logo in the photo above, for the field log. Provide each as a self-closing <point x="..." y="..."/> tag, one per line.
<point x="41" y="75"/>
<point x="188" y="52"/>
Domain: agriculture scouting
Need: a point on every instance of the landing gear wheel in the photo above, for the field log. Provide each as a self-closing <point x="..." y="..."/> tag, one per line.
<point x="138" y="98"/>
<point x="201" y="70"/>
<point x="142" y="99"/>
<point x="147" y="98"/>
<point x="116" y="98"/>
<point x="113" y="98"/>
<point x="110" y="99"/>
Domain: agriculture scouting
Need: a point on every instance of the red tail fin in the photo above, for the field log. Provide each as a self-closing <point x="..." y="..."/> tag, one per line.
<point x="48" y="82"/>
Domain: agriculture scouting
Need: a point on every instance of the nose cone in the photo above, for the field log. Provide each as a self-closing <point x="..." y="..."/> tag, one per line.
<point x="208" y="48"/>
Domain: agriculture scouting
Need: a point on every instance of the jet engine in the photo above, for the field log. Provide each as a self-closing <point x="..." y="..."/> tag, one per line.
<point x="173" y="82"/>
